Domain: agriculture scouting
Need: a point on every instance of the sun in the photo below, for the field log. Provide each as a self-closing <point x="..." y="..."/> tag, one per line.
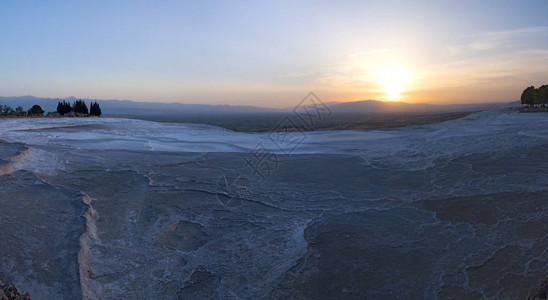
<point x="394" y="81"/>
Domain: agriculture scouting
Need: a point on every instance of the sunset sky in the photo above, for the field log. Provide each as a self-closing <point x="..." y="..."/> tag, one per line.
<point x="272" y="53"/>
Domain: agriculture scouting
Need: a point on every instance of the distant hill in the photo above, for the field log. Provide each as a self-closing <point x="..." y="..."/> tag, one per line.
<point x="127" y="108"/>
<point x="133" y="108"/>
<point x="381" y="107"/>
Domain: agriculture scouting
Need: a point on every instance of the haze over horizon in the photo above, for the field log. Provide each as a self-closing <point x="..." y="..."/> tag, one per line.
<point x="273" y="54"/>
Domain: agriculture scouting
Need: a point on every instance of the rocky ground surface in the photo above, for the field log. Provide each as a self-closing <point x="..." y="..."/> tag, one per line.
<point x="8" y="291"/>
<point x="453" y="211"/>
<point x="540" y="292"/>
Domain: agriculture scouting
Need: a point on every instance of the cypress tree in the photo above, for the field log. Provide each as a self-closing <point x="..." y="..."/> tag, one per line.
<point x="63" y="107"/>
<point x="80" y="107"/>
<point x="95" y="110"/>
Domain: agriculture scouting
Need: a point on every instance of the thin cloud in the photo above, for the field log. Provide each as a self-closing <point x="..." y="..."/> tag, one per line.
<point x="496" y="39"/>
<point x="531" y="37"/>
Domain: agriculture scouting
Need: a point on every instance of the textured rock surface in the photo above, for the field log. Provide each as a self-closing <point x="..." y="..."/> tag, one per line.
<point x="539" y="292"/>
<point x="127" y="210"/>
<point x="41" y="225"/>
<point x="8" y="291"/>
<point x="11" y="154"/>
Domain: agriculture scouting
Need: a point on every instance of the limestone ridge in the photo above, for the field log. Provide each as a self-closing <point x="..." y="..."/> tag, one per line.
<point x="87" y="239"/>
<point x="10" y="157"/>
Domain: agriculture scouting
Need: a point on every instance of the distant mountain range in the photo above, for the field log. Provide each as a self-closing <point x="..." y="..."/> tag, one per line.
<point x="132" y="108"/>
<point x="381" y="107"/>
<point x="128" y="107"/>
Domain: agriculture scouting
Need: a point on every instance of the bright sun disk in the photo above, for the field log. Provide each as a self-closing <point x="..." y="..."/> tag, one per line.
<point x="394" y="81"/>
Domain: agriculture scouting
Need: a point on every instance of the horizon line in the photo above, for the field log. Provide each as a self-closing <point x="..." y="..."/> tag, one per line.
<point x="270" y="107"/>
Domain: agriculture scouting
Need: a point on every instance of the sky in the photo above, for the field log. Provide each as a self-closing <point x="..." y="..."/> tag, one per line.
<point x="272" y="53"/>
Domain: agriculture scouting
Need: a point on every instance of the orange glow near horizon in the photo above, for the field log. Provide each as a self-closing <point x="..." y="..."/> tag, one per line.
<point x="394" y="82"/>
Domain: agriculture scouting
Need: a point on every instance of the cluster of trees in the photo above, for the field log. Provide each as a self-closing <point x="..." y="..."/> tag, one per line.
<point x="94" y="109"/>
<point x="63" y="107"/>
<point x="532" y="96"/>
<point x="7" y="111"/>
<point x="80" y="107"/>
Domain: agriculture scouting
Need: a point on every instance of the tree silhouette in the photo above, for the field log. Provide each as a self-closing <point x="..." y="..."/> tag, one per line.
<point x="94" y="109"/>
<point x="35" y="110"/>
<point x="541" y="95"/>
<point x="20" y="112"/>
<point x="6" y="110"/>
<point x="527" y="97"/>
<point x="80" y="107"/>
<point x="63" y="108"/>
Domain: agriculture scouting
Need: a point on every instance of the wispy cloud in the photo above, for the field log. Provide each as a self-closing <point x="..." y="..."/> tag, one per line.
<point x="509" y="38"/>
